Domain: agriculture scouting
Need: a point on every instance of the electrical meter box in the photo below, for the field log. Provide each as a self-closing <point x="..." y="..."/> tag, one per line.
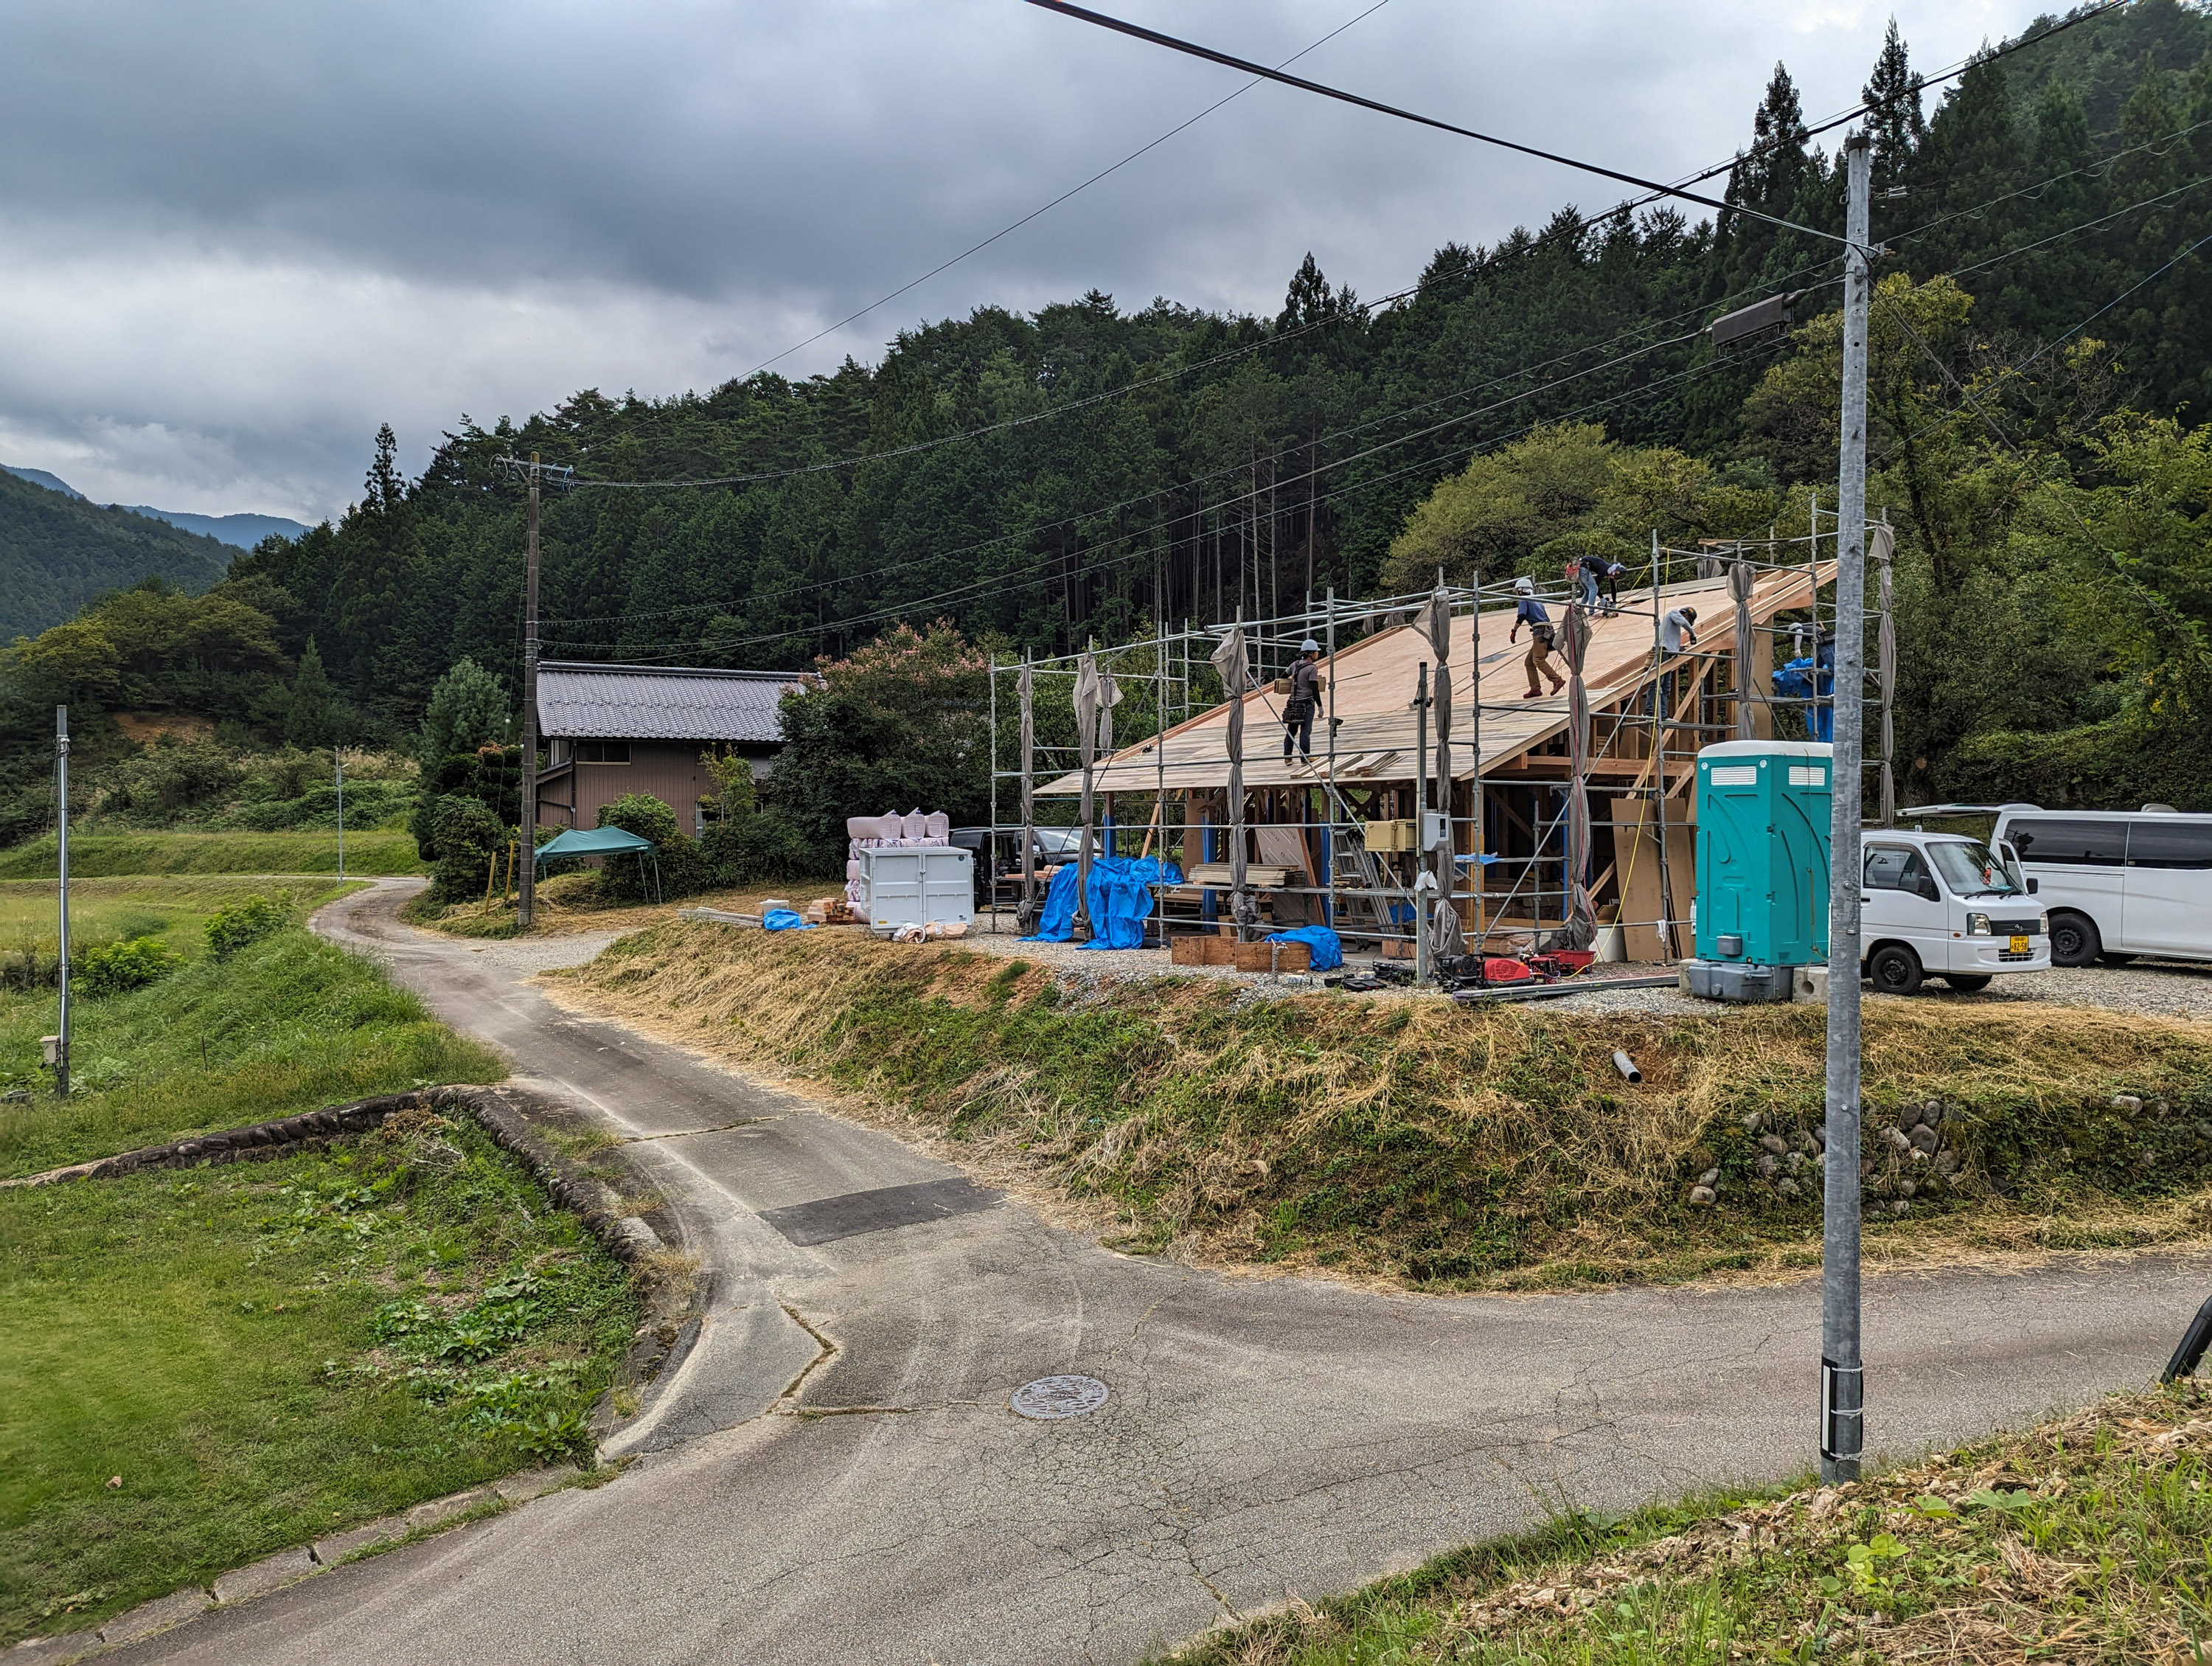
<point x="1763" y="809"/>
<point x="918" y="885"/>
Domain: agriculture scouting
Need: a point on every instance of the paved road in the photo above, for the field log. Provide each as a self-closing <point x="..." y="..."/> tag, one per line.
<point x="1263" y="1436"/>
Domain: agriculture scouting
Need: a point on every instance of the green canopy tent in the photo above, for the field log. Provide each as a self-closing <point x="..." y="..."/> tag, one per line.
<point x="606" y="842"/>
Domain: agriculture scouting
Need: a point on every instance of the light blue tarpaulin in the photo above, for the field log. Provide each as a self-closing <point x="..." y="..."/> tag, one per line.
<point x="783" y="920"/>
<point x="1121" y="901"/>
<point x="1328" y="948"/>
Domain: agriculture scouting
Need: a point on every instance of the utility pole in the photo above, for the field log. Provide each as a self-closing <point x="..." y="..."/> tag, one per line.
<point x="61" y="828"/>
<point x="1843" y="1375"/>
<point x="337" y="769"/>
<point x="527" y="907"/>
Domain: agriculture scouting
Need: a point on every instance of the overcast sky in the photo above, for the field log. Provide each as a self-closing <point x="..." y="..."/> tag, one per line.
<point x="235" y="237"/>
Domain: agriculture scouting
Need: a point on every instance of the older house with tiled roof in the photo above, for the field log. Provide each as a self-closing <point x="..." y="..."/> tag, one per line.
<point x="615" y="729"/>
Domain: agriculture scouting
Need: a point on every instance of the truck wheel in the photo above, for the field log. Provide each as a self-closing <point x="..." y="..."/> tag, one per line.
<point x="1967" y="985"/>
<point x="2074" y="939"/>
<point x="1895" y="970"/>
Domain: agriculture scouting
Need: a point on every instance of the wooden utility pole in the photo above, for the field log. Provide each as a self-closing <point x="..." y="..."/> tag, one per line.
<point x="527" y="908"/>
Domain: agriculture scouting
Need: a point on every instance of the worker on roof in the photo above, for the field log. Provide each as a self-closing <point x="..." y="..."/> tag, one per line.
<point x="1531" y="612"/>
<point x="1304" y="696"/>
<point x="1588" y="570"/>
<point x="1676" y="627"/>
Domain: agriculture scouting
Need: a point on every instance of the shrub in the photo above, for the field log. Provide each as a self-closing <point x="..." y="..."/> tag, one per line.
<point x="684" y="866"/>
<point x="113" y="967"/>
<point x="468" y="839"/>
<point x="248" y="921"/>
<point x="756" y="849"/>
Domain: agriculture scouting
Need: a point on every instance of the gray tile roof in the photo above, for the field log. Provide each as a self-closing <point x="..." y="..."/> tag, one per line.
<point x="660" y="702"/>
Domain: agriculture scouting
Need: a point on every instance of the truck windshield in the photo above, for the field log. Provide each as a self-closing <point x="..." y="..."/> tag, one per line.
<point x="1970" y="870"/>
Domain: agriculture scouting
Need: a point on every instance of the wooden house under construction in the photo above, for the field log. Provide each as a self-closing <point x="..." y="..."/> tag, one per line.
<point x="1579" y="800"/>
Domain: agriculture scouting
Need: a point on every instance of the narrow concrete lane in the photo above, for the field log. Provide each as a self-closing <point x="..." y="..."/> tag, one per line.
<point x="834" y="1474"/>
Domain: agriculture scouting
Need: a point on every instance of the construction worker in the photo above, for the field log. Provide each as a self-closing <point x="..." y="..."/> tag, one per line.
<point x="1676" y="627"/>
<point x="1531" y="612"/>
<point x="1304" y="697"/>
<point x="1594" y="570"/>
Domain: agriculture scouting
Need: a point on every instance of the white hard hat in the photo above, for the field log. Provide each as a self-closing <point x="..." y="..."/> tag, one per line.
<point x="1308" y="645"/>
<point x="1525" y="585"/>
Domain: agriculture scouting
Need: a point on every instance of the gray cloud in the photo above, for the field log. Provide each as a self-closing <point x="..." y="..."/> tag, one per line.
<point x="235" y="236"/>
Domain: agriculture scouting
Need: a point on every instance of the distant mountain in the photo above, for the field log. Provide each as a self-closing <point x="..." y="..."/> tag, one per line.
<point x="58" y="552"/>
<point x="242" y="530"/>
<point x="40" y="477"/>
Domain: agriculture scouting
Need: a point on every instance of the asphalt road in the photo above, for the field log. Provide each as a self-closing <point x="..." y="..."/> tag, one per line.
<point x="833" y="1475"/>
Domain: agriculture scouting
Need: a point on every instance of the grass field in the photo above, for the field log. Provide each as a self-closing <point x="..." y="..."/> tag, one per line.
<point x="199" y="1368"/>
<point x="2088" y="1540"/>
<point x="266" y="1352"/>
<point x="285" y="1025"/>
<point x="368" y="854"/>
<point x="174" y="909"/>
<point x="1449" y="1148"/>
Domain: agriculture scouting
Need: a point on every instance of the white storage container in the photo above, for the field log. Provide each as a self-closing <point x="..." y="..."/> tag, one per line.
<point x="918" y="885"/>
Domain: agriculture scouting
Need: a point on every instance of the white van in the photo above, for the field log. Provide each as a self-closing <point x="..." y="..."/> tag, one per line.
<point x="2116" y="884"/>
<point x="1937" y="905"/>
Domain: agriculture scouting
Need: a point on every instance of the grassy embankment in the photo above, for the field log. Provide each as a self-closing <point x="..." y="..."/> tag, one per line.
<point x="2087" y="1540"/>
<point x="369" y="853"/>
<point x="200" y="1367"/>
<point x="1448" y="1147"/>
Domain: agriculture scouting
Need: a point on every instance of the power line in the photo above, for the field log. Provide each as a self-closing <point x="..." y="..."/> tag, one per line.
<point x="1277" y="456"/>
<point x="1176" y="44"/>
<point x="1278" y="338"/>
<point x="976" y="248"/>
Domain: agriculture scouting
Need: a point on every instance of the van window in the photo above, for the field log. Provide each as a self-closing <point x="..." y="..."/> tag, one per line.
<point x="2083" y="843"/>
<point x="1970" y="870"/>
<point x="1897" y="867"/>
<point x="2169" y="843"/>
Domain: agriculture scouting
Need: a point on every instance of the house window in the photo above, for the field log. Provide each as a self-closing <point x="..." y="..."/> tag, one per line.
<point x="603" y="751"/>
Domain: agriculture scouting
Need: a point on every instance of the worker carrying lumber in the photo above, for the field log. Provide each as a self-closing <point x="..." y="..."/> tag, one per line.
<point x="1304" y="697"/>
<point x="1533" y="613"/>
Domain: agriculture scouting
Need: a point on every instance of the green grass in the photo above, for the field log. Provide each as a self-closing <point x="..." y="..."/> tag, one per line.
<point x="174" y="909"/>
<point x="253" y="1350"/>
<point x="289" y="1024"/>
<point x="93" y="855"/>
<point x="2088" y="1540"/>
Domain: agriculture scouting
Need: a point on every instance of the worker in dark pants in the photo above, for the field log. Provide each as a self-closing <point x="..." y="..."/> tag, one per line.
<point x="1533" y="613"/>
<point x="1596" y="570"/>
<point x="1304" y="698"/>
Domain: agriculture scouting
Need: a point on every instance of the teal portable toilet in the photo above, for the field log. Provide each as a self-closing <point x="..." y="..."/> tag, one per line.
<point x="1763" y="808"/>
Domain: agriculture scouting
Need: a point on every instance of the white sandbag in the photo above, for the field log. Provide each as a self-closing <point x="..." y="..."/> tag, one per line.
<point x="937" y="826"/>
<point x="852" y="868"/>
<point x="915" y="825"/>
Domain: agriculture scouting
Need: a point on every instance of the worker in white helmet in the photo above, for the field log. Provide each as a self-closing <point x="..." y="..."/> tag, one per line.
<point x="1304" y="697"/>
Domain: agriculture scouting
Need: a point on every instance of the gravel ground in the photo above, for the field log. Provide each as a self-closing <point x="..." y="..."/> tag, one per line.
<point x="543" y="954"/>
<point x="2163" y="989"/>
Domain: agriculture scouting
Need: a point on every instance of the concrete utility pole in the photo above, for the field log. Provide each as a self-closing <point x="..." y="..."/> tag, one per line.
<point x="1843" y="1376"/>
<point x="527" y="907"/>
<point x="337" y="771"/>
<point x="61" y="828"/>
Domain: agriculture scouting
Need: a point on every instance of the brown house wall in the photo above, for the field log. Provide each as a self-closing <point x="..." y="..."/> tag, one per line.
<point x="669" y="770"/>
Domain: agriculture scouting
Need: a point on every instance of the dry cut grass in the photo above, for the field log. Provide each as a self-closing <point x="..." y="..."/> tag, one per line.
<point x="2085" y="1541"/>
<point x="1423" y="1142"/>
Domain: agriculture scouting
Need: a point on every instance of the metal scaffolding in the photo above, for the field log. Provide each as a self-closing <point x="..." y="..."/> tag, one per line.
<point x="1380" y="823"/>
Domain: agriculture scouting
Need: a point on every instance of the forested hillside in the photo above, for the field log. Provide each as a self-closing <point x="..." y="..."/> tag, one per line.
<point x="2044" y="351"/>
<point x="56" y="553"/>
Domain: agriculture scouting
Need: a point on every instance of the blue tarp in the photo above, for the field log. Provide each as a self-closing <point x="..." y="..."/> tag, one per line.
<point x="1795" y="681"/>
<point x="1056" y="924"/>
<point x="1328" y="948"/>
<point x="1121" y="901"/>
<point x="783" y="920"/>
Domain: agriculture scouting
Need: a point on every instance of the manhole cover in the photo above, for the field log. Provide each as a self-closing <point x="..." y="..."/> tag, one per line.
<point x="1059" y="1396"/>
